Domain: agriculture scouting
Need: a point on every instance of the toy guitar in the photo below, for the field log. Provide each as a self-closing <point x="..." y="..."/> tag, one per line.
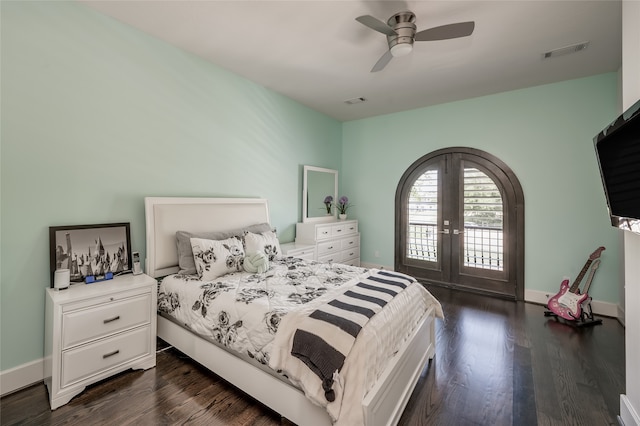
<point x="567" y="303"/>
<point x="592" y="272"/>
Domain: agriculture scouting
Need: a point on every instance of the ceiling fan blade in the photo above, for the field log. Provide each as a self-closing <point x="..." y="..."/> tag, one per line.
<point x="382" y="62"/>
<point x="375" y="24"/>
<point x="444" y="32"/>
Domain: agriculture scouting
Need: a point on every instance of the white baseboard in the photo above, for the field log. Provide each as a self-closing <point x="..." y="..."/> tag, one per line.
<point x="628" y="413"/>
<point x="21" y="376"/>
<point x="535" y="296"/>
<point x="600" y="308"/>
<point x="376" y="266"/>
<point x="621" y="315"/>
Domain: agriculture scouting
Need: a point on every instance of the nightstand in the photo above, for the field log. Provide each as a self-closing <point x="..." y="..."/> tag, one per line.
<point x="93" y="331"/>
<point x="302" y="251"/>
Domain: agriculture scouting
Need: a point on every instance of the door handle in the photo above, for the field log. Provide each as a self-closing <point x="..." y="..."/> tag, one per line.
<point x="444" y="231"/>
<point x="456" y="232"/>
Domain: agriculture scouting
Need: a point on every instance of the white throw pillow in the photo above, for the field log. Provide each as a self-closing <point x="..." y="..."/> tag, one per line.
<point x="214" y="258"/>
<point x="266" y="242"/>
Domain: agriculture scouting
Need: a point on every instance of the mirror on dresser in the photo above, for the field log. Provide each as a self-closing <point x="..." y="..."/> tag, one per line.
<point x="317" y="183"/>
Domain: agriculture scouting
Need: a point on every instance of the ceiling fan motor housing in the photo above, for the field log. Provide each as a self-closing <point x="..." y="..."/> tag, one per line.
<point x="403" y="24"/>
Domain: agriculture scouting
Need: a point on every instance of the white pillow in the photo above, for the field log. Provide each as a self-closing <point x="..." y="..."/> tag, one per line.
<point x="266" y="242"/>
<point x="214" y="258"/>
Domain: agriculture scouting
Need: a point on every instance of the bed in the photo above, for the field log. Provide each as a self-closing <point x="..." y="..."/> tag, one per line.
<point x="387" y="393"/>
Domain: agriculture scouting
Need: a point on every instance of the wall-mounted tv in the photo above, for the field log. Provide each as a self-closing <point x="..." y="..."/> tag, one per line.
<point x="618" y="153"/>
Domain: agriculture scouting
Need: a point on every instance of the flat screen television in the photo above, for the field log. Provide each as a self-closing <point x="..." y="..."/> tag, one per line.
<point x="618" y="153"/>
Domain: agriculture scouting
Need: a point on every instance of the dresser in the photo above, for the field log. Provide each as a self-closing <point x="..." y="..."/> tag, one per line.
<point x="93" y="331"/>
<point x="333" y="241"/>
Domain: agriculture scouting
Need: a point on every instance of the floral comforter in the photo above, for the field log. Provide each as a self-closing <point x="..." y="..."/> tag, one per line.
<point x="242" y="311"/>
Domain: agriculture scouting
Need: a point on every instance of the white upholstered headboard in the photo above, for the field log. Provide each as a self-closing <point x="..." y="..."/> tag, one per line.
<point x="166" y="215"/>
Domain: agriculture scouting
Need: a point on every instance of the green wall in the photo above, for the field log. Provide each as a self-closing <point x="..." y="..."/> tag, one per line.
<point x="545" y="134"/>
<point x="97" y="115"/>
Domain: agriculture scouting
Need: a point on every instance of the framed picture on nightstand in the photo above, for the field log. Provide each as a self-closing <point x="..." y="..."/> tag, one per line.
<point x="90" y="250"/>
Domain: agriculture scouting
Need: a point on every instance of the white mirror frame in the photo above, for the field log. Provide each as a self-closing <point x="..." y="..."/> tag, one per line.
<point x="305" y="187"/>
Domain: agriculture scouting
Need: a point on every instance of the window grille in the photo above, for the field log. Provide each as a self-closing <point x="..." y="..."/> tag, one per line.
<point x="422" y="237"/>
<point x="483" y="222"/>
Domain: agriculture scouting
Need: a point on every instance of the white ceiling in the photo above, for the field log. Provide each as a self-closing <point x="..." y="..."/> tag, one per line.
<point x="316" y="53"/>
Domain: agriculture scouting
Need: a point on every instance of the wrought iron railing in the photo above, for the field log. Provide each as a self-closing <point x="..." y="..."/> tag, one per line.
<point x="483" y="246"/>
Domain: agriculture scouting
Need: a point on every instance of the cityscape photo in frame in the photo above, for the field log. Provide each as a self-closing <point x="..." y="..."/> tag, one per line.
<point x="90" y="250"/>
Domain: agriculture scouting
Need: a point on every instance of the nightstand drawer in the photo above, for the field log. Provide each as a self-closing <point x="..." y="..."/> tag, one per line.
<point x="86" y="324"/>
<point x="85" y="361"/>
<point x="328" y="247"/>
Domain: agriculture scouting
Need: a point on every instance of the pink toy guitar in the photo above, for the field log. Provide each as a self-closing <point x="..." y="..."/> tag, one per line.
<point x="567" y="303"/>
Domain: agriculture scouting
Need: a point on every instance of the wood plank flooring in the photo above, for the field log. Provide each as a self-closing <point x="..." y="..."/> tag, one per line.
<point x="497" y="363"/>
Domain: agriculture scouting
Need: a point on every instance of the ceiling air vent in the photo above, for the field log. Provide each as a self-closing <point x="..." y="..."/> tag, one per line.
<point x="354" y="101"/>
<point x="565" y="50"/>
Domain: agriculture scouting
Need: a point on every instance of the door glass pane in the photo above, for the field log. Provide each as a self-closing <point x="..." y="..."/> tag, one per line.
<point x="422" y="236"/>
<point x="483" y="224"/>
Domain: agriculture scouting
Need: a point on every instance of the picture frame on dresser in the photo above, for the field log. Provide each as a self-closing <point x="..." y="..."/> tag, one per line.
<point x="90" y="250"/>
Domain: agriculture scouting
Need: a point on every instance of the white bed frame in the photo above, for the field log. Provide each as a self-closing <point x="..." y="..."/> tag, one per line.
<point x="384" y="403"/>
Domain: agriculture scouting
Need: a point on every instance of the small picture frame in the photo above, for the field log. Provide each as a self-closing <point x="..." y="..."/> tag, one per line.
<point x="93" y="251"/>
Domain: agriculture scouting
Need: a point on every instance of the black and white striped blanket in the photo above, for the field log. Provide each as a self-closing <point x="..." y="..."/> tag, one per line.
<point x="325" y="337"/>
<point x="337" y="345"/>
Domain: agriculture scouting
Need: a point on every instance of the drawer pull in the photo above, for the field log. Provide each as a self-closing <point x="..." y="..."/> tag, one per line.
<point x="116" y="352"/>
<point x="331" y="248"/>
<point x="107" y="321"/>
<point x="339" y="230"/>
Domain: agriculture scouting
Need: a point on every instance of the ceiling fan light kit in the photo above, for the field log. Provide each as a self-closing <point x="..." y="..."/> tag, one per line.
<point x="403" y="49"/>
<point x="400" y="30"/>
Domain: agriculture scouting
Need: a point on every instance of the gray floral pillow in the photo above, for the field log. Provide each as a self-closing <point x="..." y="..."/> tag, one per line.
<point x="183" y="240"/>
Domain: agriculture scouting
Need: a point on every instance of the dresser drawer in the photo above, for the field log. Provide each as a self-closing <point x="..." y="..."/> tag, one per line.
<point x="331" y="257"/>
<point x="87" y="324"/>
<point x="351" y="253"/>
<point x="351" y="228"/>
<point x="328" y="248"/>
<point x="85" y="361"/>
<point x="301" y="251"/>
<point x="305" y="254"/>
<point x="323" y="232"/>
<point x="338" y="230"/>
<point x="349" y="243"/>
<point x="352" y="262"/>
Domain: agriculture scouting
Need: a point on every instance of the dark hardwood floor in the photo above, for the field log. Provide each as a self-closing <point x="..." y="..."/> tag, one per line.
<point x="497" y="363"/>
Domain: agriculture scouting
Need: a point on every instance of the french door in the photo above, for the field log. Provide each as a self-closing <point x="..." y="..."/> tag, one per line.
<point x="459" y="222"/>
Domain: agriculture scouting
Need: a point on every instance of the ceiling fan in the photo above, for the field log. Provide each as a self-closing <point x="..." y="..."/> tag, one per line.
<point x="400" y="30"/>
